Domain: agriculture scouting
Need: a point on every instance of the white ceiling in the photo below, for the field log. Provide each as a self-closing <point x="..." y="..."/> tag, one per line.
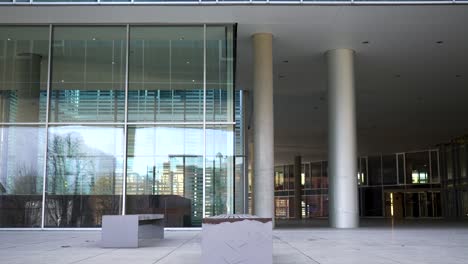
<point x="408" y="95"/>
<point x="425" y="105"/>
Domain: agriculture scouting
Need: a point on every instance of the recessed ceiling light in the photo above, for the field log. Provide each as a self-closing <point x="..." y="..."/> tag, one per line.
<point x="62" y="80"/>
<point x="286" y="61"/>
<point x="440" y="42"/>
<point x="365" y="42"/>
<point x="187" y="62"/>
<point x="193" y="81"/>
<point x="94" y="38"/>
<point x="9" y="39"/>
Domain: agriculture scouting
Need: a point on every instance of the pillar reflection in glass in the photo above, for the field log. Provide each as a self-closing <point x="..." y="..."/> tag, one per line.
<point x="24" y="56"/>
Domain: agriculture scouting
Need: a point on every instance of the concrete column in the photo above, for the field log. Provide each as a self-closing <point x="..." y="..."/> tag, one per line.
<point x="342" y="153"/>
<point x="27" y="86"/>
<point x="263" y="124"/>
<point x="297" y="187"/>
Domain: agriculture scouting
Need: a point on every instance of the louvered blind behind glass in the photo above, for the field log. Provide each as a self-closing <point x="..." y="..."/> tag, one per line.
<point x="88" y="74"/>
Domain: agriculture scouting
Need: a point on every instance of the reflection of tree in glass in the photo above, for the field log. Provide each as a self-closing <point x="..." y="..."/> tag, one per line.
<point x="67" y="164"/>
<point x="81" y="182"/>
<point x="27" y="181"/>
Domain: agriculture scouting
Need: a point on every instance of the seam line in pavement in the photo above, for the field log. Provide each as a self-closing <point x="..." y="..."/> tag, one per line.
<point x="172" y="251"/>
<point x="76" y="261"/>
<point x="298" y="250"/>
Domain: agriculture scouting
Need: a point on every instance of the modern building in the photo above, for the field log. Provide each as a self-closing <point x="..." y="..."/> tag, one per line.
<point x="185" y="107"/>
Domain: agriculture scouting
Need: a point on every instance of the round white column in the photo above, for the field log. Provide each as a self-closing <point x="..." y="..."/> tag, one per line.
<point x="263" y="124"/>
<point x="342" y="142"/>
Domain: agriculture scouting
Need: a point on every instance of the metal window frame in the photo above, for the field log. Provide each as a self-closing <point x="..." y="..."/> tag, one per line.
<point x="246" y="2"/>
<point x="125" y="124"/>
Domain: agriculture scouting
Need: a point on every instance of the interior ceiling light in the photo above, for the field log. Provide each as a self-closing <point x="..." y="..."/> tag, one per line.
<point x="188" y="62"/>
<point x="94" y="38"/>
<point x="181" y="38"/>
<point x="281" y="76"/>
<point x="440" y="42"/>
<point x="458" y="75"/>
<point x="365" y="42"/>
<point x="397" y="75"/>
<point x="9" y="39"/>
<point x="286" y="61"/>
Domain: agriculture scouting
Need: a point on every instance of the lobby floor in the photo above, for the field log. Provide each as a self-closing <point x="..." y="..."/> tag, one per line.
<point x="417" y="242"/>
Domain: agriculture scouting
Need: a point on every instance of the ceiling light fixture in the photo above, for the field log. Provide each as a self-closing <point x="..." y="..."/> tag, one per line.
<point x="286" y="61"/>
<point x="9" y="39"/>
<point x="281" y="76"/>
<point x="94" y="38"/>
<point x="397" y="75"/>
<point x="365" y="42"/>
<point x="181" y="38"/>
<point x="440" y="42"/>
<point x="458" y="75"/>
<point x="187" y="62"/>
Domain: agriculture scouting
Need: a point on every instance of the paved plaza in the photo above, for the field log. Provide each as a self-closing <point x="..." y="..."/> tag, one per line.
<point x="441" y="243"/>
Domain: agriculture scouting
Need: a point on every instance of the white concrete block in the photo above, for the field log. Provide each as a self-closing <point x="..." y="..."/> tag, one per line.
<point x="237" y="240"/>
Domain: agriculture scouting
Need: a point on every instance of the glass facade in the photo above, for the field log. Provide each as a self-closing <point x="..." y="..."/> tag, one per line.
<point x="400" y="185"/>
<point x="125" y="119"/>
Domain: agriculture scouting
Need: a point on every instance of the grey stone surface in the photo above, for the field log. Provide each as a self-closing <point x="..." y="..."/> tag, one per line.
<point x="123" y="231"/>
<point x="444" y="243"/>
<point x="248" y="241"/>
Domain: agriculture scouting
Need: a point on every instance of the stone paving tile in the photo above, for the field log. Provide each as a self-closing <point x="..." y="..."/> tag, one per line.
<point x="373" y="245"/>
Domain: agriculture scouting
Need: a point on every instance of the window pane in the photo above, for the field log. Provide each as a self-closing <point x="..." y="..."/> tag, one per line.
<point x="362" y="174"/>
<point x="435" y="167"/>
<point x="417" y="167"/>
<point x="219" y="170"/>
<point x="375" y="170"/>
<point x="279" y="178"/>
<point x="165" y="173"/>
<point x="462" y="160"/>
<point x="84" y="175"/>
<point x="401" y="169"/>
<point x="88" y="74"/>
<point x="389" y="169"/>
<point x="21" y="175"/>
<point x="371" y="198"/>
<point x="219" y="73"/>
<point x="166" y="74"/>
<point x="24" y="56"/>
<point x="316" y="173"/>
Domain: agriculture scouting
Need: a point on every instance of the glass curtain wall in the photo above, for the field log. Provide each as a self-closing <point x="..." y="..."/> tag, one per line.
<point x="393" y="185"/>
<point x="24" y="53"/>
<point x="126" y="119"/>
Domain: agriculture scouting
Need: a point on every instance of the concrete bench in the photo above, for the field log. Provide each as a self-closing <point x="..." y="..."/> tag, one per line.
<point x="124" y="231"/>
<point x="237" y="239"/>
